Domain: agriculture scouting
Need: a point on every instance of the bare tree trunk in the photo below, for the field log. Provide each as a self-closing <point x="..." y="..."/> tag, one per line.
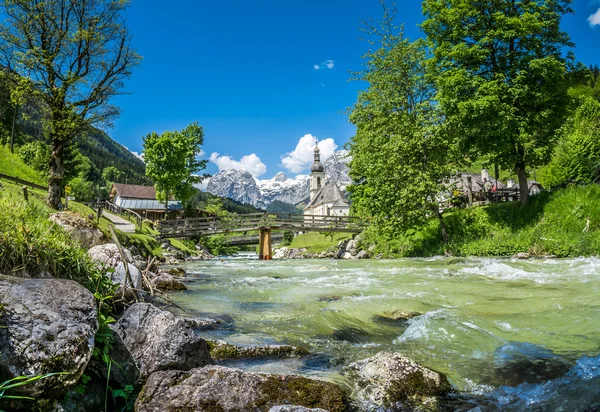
<point x="12" y="133"/>
<point x="57" y="173"/>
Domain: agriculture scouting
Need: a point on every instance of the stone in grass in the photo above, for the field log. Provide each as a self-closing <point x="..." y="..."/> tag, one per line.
<point x="217" y="388"/>
<point x="159" y="340"/>
<point x="391" y="380"/>
<point x="47" y="325"/>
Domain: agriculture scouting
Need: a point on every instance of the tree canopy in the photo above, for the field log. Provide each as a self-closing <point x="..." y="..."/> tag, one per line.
<point x="72" y="57"/>
<point x="172" y="161"/>
<point x="401" y="155"/>
<point x="502" y="82"/>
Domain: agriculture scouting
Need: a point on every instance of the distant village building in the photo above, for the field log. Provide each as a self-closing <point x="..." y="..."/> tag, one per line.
<point x="326" y="198"/>
<point x="142" y="200"/>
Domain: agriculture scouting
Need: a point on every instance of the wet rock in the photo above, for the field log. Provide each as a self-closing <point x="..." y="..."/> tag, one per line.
<point x="216" y="388"/>
<point x="281" y="253"/>
<point x="353" y="251"/>
<point x="362" y="255"/>
<point x="167" y="283"/>
<point x="48" y="325"/>
<point x="522" y="256"/>
<point x="176" y="271"/>
<point x="158" y="340"/>
<point x="140" y="264"/>
<point x="329" y="298"/>
<point x="348" y="255"/>
<point x="396" y="317"/>
<point x="294" y="408"/>
<point x="522" y="362"/>
<point x="221" y="351"/>
<point x="79" y="228"/>
<point x="204" y="323"/>
<point x="351" y="245"/>
<point x="391" y="380"/>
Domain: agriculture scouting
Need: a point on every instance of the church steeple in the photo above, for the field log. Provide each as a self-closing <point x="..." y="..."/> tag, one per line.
<point x="317" y="175"/>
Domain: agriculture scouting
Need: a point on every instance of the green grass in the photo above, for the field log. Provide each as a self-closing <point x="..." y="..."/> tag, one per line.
<point x="551" y="224"/>
<point x="316" y="242"/>
<point x="12" y="165"/>
<point x="30" y="243"/>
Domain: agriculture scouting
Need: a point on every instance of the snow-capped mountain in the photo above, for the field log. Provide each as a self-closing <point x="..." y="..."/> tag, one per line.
<point x="240" y="185"/>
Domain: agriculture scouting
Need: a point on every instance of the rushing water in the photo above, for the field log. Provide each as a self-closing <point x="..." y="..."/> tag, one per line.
<point x="509" y="334"/>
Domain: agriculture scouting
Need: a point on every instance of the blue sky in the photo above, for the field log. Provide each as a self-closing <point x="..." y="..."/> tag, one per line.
<point x="246" y="71"/>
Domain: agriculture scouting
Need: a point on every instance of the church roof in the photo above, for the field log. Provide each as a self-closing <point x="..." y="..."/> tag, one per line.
<point x="330" y="193"/>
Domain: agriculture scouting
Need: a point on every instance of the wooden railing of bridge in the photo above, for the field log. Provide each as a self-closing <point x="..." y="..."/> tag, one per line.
<point x="207" y="226"/>
<point x="263" y="222"/>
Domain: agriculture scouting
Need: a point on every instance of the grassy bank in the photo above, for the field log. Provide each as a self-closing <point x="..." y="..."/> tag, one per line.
<point x="12" y="165"/>
<point x="316" y="242"/>
<point x="553" y="223"/>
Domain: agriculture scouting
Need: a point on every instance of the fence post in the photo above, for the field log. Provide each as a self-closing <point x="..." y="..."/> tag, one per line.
<point x="25" y="195"/>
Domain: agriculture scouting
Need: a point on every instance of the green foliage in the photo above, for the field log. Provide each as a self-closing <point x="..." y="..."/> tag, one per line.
<point x="552" y="223"/>
<point x="20" y="381"/>
<point x="72" y="69"/>
<point x="111" y="174"/>
<point x="281" y="207"/>
<point x="12" y="165"/>
<point x="577" y="156"/>
<point x="203" y="201"/>
<point x="218" y="245"/>
<point x="82" y="189"/>
<point x="589" y="86"/>
<point x="37" y="155"/>
<point x="318" y="242"/>
<point x="400" y="153"/>
<point x="288" y="238"/>
<point x="171" y="161"/>
<point x="501" y="76"/>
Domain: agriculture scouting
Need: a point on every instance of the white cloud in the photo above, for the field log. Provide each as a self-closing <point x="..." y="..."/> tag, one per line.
<point x="202" y="185"/>
<point x="594" y="19"/>
<point x="302" y="156"/>
<point x="251" y="163"/>
<point x="327" y="64"/>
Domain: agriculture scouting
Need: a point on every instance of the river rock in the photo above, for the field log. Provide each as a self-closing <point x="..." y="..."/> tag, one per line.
<point x="396" y="316"/>
<point x="217" y="388"/>
<point x="522" y="256"/>
<point x="79" y="228"/>
<point x="220" y="350"/>
<point x="48" y="325"/>
<point x="167" y="283"/>
<point x="281" y="253"/>
<point x="391" y="380"/>
<point x="294" y="408"/>
<point x="362" y="255"/>
<point x="108" y="256"/>
<point x="159" y="340"/>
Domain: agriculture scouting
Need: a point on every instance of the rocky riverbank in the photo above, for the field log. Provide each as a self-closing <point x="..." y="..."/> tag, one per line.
<point x="50" y="325"/>
<point x="348" y="249"/>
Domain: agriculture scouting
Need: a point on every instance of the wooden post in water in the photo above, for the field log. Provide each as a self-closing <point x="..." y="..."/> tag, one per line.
<point x="264" y="244"/>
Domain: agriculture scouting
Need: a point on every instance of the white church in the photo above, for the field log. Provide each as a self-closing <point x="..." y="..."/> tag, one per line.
<point x="326" y="198"/>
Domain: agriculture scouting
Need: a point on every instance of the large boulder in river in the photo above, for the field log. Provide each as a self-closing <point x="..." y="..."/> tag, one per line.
<point x="108" y="256"/>
<point x="216" y="388"/>
<point x="158" y="340"/>
<point x="46" y="325"/>
<point x="393" y="381"/>
<point x="79" y="228"/>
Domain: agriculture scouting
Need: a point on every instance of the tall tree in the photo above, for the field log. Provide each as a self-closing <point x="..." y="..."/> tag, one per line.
<point x="71" y="55"/>
<point x="172" y="162"/>
<point x="502" y="76"/>
<point x="400" y="153"/>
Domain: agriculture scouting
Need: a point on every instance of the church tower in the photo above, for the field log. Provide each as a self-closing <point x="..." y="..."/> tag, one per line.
<point x="317" y="173"/>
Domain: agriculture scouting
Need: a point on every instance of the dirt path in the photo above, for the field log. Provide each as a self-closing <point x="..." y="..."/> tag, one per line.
<point x="120" y="223"/>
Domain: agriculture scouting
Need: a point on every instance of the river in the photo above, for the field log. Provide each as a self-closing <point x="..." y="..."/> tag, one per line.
<point x="509" y="334"/>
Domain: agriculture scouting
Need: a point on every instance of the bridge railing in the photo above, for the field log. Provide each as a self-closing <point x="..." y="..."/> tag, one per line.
<point x="254" y="221"/>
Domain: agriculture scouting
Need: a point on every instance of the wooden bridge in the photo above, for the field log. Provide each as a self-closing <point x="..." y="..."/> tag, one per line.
<point x="264" y="223"/>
